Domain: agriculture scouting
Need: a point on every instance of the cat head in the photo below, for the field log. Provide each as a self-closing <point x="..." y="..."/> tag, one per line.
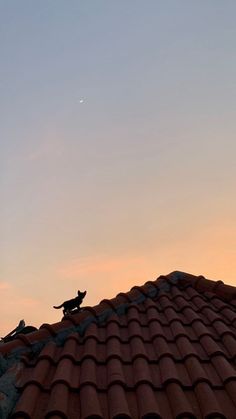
<point x="82" y="294"/>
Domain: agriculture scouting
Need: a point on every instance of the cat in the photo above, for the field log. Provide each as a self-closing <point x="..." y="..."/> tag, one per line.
<point x="74" y="303"/>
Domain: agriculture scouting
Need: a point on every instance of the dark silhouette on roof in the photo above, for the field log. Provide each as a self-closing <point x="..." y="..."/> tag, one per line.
<point x="21" y="328"/>
<point x="70" y="306"/>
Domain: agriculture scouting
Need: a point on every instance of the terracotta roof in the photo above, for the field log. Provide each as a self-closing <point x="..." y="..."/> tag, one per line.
<point x="166" y="349"/>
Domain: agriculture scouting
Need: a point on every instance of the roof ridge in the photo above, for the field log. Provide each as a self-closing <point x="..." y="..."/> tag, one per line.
<point x="99" y="313"/>
<point x="202" y="284"/>
<point x="78" y="321"/>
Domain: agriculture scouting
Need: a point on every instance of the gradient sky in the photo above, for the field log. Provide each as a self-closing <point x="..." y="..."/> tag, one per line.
<point x="136" y="181"/>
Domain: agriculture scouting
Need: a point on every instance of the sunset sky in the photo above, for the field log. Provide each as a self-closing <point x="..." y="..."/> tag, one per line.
<point x="118" y="148"/>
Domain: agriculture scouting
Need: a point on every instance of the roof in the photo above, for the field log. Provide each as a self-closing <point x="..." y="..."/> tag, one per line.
<point x="166" y="349"/>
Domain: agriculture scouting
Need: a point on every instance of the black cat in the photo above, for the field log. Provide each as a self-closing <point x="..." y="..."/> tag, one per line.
<point x="74" y="303"/>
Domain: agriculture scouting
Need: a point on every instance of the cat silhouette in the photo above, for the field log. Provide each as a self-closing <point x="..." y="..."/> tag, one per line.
<point x="74" y="303"/>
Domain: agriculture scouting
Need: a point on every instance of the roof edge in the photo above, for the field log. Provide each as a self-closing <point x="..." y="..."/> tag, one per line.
<point x="106" y="307"/>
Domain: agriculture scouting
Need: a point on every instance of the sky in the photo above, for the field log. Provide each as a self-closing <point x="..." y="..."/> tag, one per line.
<point x="117" y="148"/>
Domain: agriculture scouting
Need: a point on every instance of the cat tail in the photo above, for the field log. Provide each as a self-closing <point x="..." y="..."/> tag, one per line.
<point x="58" y="306"/>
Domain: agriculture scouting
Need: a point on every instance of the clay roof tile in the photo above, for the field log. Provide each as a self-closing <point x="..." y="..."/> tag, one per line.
<point x="163" y="350"/>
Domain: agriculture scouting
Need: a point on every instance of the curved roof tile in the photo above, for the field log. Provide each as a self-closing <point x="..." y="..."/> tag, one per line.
<point x="163" y="350"/>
